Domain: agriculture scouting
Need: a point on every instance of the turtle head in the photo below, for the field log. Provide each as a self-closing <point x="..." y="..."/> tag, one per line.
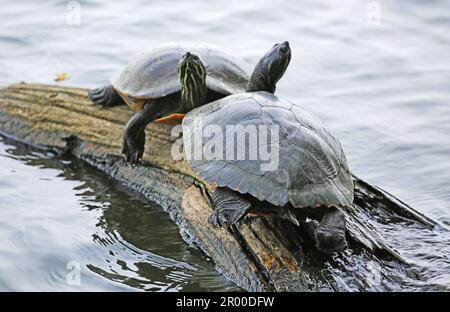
<point x="270" y="68"/>
<point x="192" y="75"/>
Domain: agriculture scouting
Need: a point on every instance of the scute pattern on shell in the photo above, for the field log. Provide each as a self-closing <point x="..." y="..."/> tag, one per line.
<point x="312" y="167"/>
<point x="153" y="74"/>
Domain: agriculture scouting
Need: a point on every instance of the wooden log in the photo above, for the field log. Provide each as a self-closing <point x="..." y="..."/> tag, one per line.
<point x="260" y="253"/>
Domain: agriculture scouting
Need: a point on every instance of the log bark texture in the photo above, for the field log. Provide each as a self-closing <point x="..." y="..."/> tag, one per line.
<point x="261" y="253"/>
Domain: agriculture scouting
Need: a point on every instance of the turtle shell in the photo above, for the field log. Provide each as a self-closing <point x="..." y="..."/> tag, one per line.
<point x="153" y="74"/>
<point x="312" y="169"/>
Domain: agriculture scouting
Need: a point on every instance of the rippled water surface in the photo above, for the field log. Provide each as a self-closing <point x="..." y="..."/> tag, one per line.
<point x="61" y="216"/>
<point x="384" y="89"/>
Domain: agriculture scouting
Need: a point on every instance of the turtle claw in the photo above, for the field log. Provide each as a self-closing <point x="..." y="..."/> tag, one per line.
<point x="213" y="220"/>
<point x="133" y="150"/>
<point x="135" y="159"/>
<point x="218" y="219"/>
<point x="230" y="207"/>
<point x="132" y="158"/>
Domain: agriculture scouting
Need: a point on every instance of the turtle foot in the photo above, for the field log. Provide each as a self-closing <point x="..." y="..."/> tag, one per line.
<point x="330" y="233"/>
<point x="133" y="148"/>
<point x="105" y="97"/>
<point x="230" y="207"/>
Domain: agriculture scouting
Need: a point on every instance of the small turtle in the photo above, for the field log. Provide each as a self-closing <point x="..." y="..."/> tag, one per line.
<point x="312" y="170"/>
<point x="167" y="82"/>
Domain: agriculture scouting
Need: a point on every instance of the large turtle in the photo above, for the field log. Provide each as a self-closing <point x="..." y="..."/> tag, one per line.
<point x="169" y="81"/>
<point x="312" y="170"/>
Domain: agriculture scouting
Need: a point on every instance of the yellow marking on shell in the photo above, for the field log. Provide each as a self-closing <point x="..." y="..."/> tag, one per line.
<point x="174" y="118"/>
<point x="139" y="105"/>
<point x="262" y="213"/>
<point x="237" y="190"/>
<point x="128" y="100"/>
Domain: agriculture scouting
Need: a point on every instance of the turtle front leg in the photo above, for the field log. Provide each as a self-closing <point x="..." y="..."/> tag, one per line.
<point x="134" y="133"/>
<point x="329" y="234"/>
<point x="133" y="148"/>
<point x="229" y="207"/>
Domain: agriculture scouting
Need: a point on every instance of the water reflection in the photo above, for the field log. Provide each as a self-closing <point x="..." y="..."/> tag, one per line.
<point x="72" y="212"/>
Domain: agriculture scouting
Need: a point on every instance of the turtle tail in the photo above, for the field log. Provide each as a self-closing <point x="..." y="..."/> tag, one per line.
<point x="105" y="96"/>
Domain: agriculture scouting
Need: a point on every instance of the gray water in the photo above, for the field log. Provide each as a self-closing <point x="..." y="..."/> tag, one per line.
<point x="380" y="81"/>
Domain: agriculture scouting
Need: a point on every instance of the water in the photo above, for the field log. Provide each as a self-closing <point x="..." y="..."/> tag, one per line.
<point x="384" y="90"/>
<point x="61" y="215"/>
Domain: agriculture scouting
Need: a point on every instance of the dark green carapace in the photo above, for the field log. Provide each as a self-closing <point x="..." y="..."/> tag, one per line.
<point x="173" y="78"/>
<point x="311" y="169"/>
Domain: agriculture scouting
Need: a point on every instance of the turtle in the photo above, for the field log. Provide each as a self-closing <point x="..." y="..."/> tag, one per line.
<point x="311" y="173"/>
<point x="165" y="83"/>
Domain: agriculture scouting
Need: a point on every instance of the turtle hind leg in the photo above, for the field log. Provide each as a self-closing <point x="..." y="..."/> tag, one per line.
<point x="229" y="207"/>
<point x="105" y="96"/>
<point x="329" y="234"/>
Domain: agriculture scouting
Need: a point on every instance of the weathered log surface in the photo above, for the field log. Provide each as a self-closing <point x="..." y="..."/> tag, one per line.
<point x="261" y="253"/>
